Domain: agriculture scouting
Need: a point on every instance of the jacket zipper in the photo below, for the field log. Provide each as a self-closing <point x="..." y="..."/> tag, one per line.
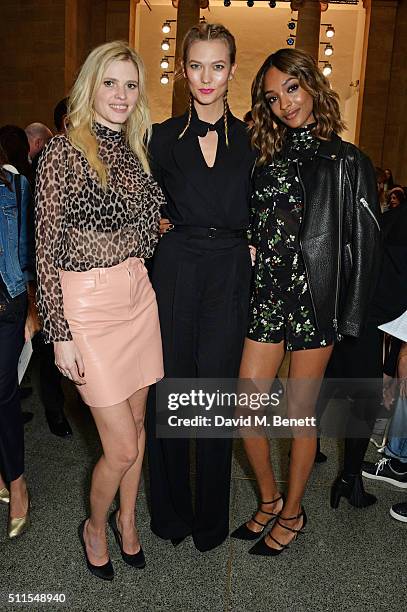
<point x="300" y="241"/>
<point x="367" y="208"/>
<point x="349" y="249"/>
<point x="338" y="268"/>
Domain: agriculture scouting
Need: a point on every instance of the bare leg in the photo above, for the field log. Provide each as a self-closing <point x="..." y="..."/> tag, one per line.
<point x="260" y="363"/>
<point x="18" y="497"/>
<point x="118" y="434"/>
<point x="307" y="369"/>
<point x="130" y="482"/>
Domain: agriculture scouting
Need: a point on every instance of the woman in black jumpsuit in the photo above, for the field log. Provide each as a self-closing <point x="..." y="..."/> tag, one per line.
<point x="201" y="276"/>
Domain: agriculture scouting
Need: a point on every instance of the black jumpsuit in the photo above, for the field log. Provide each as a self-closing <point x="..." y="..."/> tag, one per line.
<point x="201" y="277"/>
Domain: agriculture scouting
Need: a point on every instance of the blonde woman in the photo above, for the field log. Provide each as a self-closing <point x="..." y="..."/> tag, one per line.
<point x="97" y="217"/>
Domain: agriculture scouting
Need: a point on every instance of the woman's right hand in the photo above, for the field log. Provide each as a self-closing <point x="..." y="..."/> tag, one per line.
<point x="165" y="226"/>
<point x="69" y="362"/>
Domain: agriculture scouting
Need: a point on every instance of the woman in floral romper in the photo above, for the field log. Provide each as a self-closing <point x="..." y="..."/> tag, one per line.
<point x="281" y="306"/>
<point x="310" y="209"/>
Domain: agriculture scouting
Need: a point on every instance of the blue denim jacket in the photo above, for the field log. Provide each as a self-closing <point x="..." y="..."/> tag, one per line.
<point x="17" y="263"/>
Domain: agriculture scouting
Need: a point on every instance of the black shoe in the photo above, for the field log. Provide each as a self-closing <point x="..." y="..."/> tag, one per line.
<point x="25" y="392"/>
<point x="262" y="549"/>
<point x="319" y="456"/>
<point x="105" y="572"/>
<point x="384" y="470"/>
<point x="399" y="512"/>
<point x="177" y="541"/>
<point x="59" y="427"/>
<point x="137" y="560"/>
<point x="350" y="486"/>
<point x="27" y="417"/>
<point x="244" y="533"/>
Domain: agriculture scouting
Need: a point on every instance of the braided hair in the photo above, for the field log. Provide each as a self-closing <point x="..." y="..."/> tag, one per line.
<point x="205" y="32"/>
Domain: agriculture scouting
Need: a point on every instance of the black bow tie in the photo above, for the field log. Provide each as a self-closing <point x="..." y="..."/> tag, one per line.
<point x="201" y="128"/>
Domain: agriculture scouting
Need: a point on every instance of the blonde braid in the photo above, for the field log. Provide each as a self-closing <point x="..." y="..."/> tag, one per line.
<point x="225" y="117"/>
<point x="189" y="118"/>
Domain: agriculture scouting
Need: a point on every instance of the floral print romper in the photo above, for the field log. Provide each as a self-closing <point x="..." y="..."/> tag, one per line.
<point x="281" y="306"/>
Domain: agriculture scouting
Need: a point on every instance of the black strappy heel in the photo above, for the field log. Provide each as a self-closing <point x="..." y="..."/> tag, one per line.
<point x="244" y="533"/>
<point x="261" y="548"/>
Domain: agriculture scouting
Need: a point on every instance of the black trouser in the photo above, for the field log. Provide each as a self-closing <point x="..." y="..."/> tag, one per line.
<point x="12" y="322"/>
<point x="356" y="358"/>
<point x="51" y="392"/>
<point x="202" y="288"/>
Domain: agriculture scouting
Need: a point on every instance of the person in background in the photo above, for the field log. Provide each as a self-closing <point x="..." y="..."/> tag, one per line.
<point x="395" y="197"/>
<point x="17" y="148"/>
<point x="38" y="135"/>
<point x="60" y="114"/>
<point x="16" y="325"/>
<point x="16" y="143"/>
<point x="51" y="392"/>
<point x="381" y="179"/>
<point x="361" y="359"/>
<point x="392" y="468"/>
<point x="388" y="180"/>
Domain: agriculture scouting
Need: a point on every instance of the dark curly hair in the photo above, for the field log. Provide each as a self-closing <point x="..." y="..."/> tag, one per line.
<point x="269" y="133"/>
<point x="3" y="175"/>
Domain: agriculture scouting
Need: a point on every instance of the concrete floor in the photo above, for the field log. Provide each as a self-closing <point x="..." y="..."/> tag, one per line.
<point x="348" y="560"/>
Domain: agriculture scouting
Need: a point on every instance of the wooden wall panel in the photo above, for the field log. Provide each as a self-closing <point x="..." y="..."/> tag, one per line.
<point x="32" y="60"/>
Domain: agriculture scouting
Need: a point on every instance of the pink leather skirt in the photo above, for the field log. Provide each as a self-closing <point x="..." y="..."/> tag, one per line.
<point x="112" y="314"/>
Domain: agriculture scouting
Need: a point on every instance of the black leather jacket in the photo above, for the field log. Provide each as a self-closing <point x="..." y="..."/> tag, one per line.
<point x="340" y="234"/>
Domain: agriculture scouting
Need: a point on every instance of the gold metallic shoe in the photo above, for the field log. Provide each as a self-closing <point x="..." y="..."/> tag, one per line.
<point x="18" y="526"/>
<point x="4" y="496"/>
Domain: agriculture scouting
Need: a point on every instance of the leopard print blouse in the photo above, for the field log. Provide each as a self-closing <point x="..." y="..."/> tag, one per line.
<point x="80" y="226"/>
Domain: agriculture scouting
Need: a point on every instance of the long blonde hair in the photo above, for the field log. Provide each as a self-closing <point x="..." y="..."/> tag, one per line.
<point x="268" y="133"/>
<point x="81" y="115"/>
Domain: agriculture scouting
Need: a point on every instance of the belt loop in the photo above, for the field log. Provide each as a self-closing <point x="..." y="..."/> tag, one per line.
<point x="102" y="276"/>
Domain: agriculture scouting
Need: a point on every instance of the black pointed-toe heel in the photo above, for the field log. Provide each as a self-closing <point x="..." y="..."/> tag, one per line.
<point x="137" y="560"/>
<point x="262" y="549"/>
<point x="105" y="572"/>
<point x="244" y="533"/>
<point x="351" y="487"/>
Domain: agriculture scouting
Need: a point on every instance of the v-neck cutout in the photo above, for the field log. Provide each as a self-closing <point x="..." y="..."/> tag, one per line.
<point x="202" y="153"/>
